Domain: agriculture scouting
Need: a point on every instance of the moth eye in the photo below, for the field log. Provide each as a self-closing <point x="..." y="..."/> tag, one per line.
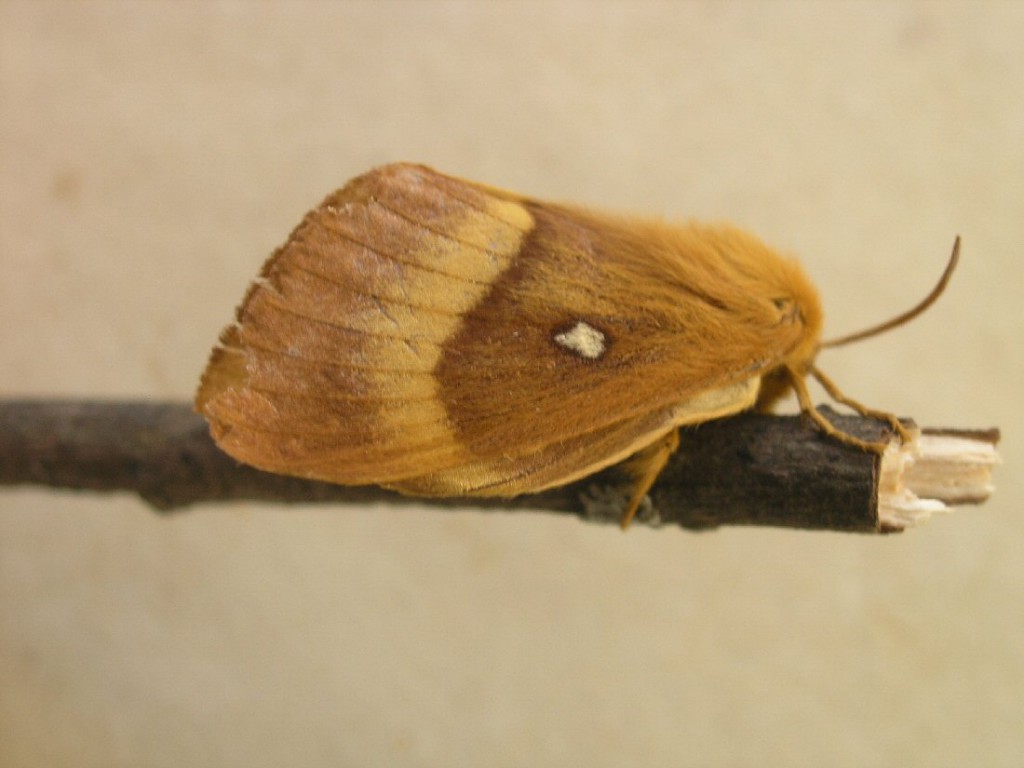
<point x="788" y="310"/>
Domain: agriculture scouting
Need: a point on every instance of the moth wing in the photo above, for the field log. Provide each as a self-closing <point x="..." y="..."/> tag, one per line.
<point x="576" y="456"/>
<point x="603" y="335"/>
<point x="327" y="371"/>
<point x="442" y="337"/>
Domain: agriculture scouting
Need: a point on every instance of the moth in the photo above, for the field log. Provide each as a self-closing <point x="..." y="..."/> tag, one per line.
<point x="446" y="338"/>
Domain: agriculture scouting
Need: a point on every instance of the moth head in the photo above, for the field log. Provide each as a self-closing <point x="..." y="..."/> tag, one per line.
<point x="797" y="306"/>
<point x="799" y="363"/>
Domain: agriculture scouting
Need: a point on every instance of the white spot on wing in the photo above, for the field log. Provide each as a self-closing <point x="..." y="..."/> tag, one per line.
<point x="585" y="340"/>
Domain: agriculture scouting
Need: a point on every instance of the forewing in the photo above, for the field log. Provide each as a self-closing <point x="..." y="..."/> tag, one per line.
<point x="328" y="370"/>
<point x="442" y="337"/>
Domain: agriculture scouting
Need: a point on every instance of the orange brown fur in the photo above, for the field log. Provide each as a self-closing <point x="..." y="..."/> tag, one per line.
<point x="405" y="333"/>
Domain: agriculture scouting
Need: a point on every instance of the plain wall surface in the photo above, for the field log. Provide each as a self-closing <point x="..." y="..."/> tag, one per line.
<point x="153" y="154"/>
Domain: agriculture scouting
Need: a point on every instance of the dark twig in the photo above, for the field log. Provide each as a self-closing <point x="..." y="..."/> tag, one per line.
<point x="747" y="470"/>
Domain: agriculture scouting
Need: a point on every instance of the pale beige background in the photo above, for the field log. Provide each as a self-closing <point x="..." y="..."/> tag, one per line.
<point x="152" y="154"/>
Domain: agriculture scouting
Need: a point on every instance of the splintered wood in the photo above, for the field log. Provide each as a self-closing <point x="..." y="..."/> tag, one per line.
<point x="937" y="470"/>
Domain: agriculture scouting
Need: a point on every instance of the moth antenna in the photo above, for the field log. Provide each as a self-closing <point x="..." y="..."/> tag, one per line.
<point x="910" y="314"/>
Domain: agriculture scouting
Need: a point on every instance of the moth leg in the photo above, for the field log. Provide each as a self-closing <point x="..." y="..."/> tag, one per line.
<point x="837" y="394"/>
<point x="807" y="406"/>
<point x="645" y="466"/>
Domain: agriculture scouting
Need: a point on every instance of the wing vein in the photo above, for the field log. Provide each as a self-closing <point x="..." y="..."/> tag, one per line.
<point x="348" y="235"/>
